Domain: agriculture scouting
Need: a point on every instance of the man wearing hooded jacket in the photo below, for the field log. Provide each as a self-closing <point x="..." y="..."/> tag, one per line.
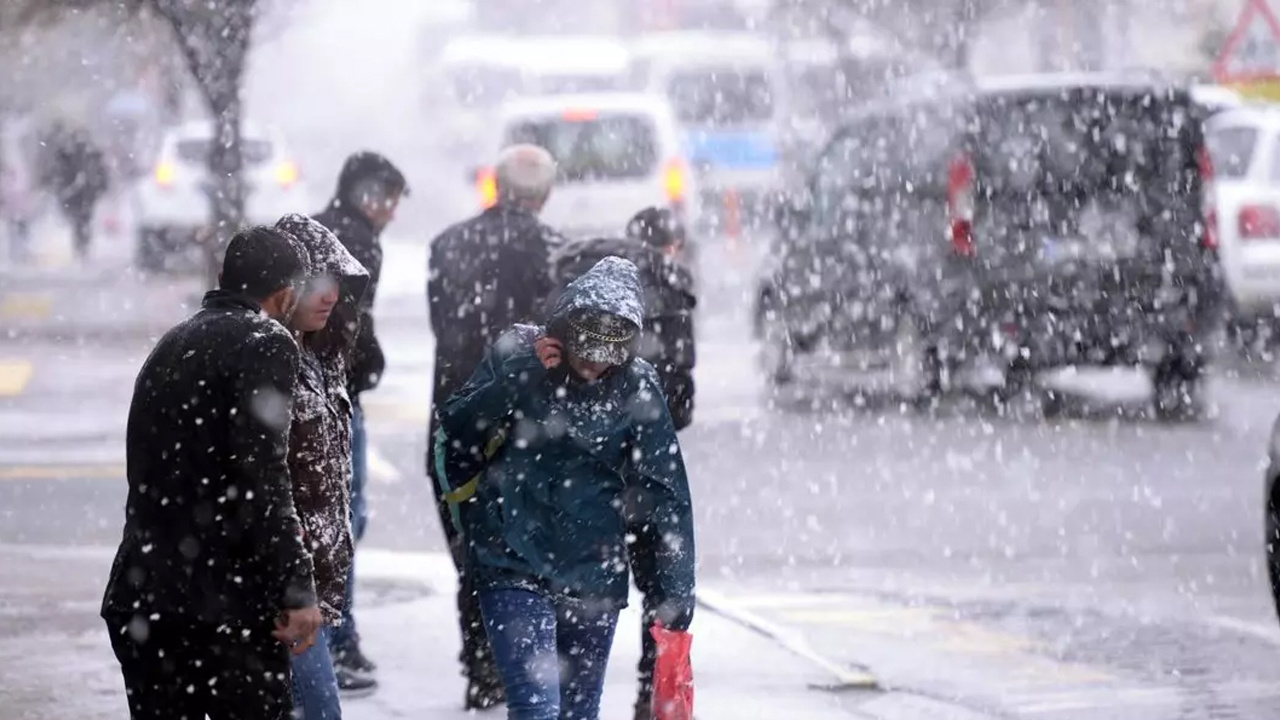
<point x="369" y="190"/>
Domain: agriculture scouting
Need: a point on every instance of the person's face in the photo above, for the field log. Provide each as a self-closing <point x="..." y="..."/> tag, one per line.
<point x="588" y="370"/>
<point x="380" y="209"/>
<point x="316" y="305"/>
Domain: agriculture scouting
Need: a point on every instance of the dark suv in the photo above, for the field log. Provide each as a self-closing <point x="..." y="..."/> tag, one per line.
<point x="1030" y="223"/>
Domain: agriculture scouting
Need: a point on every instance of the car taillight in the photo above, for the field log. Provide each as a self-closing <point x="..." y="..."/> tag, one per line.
<point x="673" y="181"/>
<point x="960" y="205"/>
<point x="487" y="187"/>
<point x="1208" y="200"/>
<point x="1259" y="221"/>
<point x="165" y="174"/>
<point x="286" y="174"/>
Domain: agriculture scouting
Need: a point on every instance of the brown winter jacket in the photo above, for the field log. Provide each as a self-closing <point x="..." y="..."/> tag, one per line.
<point x="320" y="435"/>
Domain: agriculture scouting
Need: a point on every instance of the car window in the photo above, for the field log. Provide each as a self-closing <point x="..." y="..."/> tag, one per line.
<point x="1232" y="151"/>
<point x="838" y="173"/>
<point x="721" y="97"/>
<point x="606" y="147"/>
<point x="569" y="84"/>
<point x="192" y="150"/>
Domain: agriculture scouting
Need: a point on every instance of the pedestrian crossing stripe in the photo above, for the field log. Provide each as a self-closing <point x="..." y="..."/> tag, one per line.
<point x="105" y="471"/>
<point x="14" y="376"/>
<point x="34" y="306"/>
<point x="1031" y="664"/>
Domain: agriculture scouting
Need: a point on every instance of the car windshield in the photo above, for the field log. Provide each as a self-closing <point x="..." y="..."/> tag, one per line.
<point x="606" y="147"/>
<point x="254" y="151"/>
<point x="568" y="84"/>
<point x="721" y="97"/>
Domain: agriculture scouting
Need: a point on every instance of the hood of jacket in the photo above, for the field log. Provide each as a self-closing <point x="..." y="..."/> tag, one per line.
<point x="324" y="254"/>
<point x="611" y="285"/>
<point x="366" y="165"/>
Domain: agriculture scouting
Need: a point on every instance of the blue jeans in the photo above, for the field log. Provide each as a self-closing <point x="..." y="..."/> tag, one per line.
<point x="315" y="688"/>
<point x="345" y="636"/>
<point x="551" y="652"/>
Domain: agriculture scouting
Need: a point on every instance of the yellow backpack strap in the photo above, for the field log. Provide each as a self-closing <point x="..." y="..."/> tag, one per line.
<point x="468" y="489"/>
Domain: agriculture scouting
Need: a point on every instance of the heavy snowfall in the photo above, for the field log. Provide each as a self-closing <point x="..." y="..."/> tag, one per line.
<point x="982" y="384"/>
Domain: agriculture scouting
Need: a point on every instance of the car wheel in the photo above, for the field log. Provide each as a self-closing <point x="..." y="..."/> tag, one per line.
<point x="1178" y="391"/>
<point x="777" y="349"/>
<point x="149" y="251"/>
<point x="915" y="370"/>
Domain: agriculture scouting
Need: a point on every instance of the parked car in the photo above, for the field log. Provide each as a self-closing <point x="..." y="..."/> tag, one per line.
<point x="172" y="206"/>
<point x="1245" y="146"/>
<point x="617" y="153"/>
<point x="1023" y="223"/>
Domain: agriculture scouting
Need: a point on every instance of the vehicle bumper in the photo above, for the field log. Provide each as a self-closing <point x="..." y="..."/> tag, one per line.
<point x="1046" y="342"/>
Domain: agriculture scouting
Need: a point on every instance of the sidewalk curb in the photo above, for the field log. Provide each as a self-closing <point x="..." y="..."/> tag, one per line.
<point x="844" y="678"/>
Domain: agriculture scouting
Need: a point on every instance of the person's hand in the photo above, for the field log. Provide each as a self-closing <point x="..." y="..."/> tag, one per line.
<point x="297" y="629"/>
<point x="549" y="350"/>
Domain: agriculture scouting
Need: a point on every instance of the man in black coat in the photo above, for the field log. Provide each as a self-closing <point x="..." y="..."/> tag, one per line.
<point x="212" y="584"/>
<point x="486" y="274"/>
<point x="369" y="190"/>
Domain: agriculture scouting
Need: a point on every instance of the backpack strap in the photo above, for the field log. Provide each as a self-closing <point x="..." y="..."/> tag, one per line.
<point x="456" y="496"/>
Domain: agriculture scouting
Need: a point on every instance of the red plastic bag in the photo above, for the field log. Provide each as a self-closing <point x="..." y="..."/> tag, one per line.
<point x="672" y="675"/>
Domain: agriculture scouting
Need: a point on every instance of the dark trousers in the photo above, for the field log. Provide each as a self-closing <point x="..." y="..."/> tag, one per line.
<point x="477" y="656"/>
<point x="644" y="564"/>
<point x="81" y="219"/>
<point x="179" y="670"/>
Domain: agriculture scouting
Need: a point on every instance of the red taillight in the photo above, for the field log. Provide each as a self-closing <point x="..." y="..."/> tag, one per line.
<point x="960" y="205"/>
<point x="1259" y="221"/>
<point x="1208" y="200"/>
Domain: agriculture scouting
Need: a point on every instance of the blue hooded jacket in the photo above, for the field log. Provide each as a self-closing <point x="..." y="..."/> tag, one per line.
<point x="581" y="461"/>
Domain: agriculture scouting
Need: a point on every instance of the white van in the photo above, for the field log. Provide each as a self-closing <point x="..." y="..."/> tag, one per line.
<point x="474" y="75"/>
<point x="617" y="153"/>
<point x="724" y="89"/>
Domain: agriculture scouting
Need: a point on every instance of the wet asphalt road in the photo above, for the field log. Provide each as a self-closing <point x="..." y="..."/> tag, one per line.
<point x="1099" y="565"/>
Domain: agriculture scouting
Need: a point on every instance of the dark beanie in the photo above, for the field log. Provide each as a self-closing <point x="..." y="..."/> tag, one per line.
<point x="657" y="227"/>
<point x="260" y="260"/>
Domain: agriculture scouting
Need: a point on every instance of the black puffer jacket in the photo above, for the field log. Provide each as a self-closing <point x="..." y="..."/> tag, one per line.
<point x="210" y="530"/>
<point x="320" y="436"/>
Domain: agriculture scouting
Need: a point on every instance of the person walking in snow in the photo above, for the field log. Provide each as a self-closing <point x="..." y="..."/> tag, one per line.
<point x="570" y="442"/>
<point x="325" y="326"/>
<point x="369" y="190"/>
<point x="485" y="275"/>
<point x="212" y="584"/>
<point x="74" y="170"/>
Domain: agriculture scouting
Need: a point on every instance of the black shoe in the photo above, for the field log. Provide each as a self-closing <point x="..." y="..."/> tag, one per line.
<point x="644" y="711"/>
<point x="354" y="660"/>
<point x="484" y="695"/>
<point x="353" y="684"/>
